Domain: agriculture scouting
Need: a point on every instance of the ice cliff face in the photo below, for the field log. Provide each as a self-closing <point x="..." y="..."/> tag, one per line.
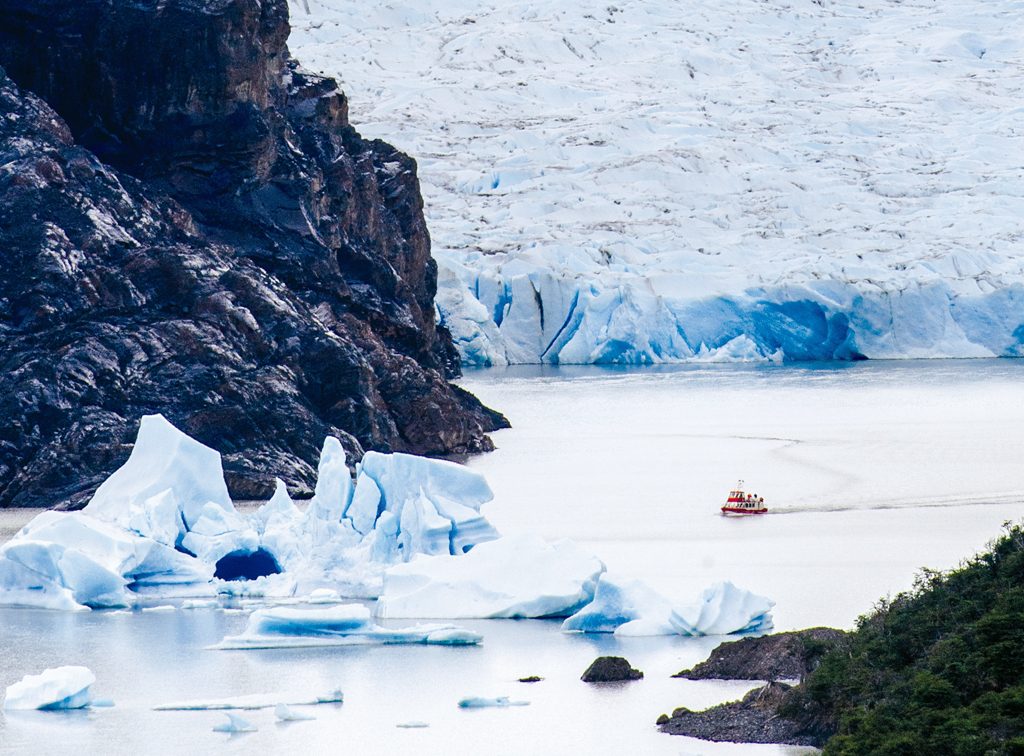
<point x="656" y="180"/>
<point x="189" y="225"/>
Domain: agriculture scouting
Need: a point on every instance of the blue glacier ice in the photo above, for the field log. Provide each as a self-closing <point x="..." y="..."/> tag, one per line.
<point x="53" y="689"/>
<point x="163" y="525"/>
<point x="235" y="724"/>
<point x="346" y="624"/>
<point x="631" y="608"/>
<point x="548" y="316"/>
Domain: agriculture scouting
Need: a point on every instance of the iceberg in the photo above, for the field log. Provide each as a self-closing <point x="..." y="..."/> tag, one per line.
<point x="235" y="724"/>
<point x="724" y="609"/>
<point x="164" y="487"/>
<point x="285" y="713"/>
<point x="514" y="576"/>
<point x="347" y="624"/>
<point x="632" y="608"/>
<point x="163" y="525"/>
<point x="51" y="690"/>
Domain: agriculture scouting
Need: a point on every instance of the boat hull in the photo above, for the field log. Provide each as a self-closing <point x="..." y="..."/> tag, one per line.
<point x="741" y="512"/>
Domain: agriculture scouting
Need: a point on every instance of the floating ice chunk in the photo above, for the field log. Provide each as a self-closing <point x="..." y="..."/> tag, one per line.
<point x="53" y="689"/>
<point x="200" y="604"/>
<point x="413" y="725"/>
<point x="365" y="507"/>
<point x="514" y="576"/>
<point x="71" y="560"/>
<point x="436" y="490"/>
<point x="632" y="608"/>
<point x="218" y="532"/>
<point x="476" y="702"/>
<point x="333" y="483"/>
<point x="384" y="539"/>
<point x="324" y="596"/>
<point x="160" y="609"/>
<point x="623" y="608"/>
<point x="279" y="508"/>
<point x="284" y="713"/>
<point x="162" y="459"/>
<point x="422" y="530"/>
<point x="724" y="609"/>
<point x="452" y="636"/>
<point x="235" y="724"/>
<point x="253" y="702"/>
<point x="102" y="703"/>
<point x="347" y="624"/>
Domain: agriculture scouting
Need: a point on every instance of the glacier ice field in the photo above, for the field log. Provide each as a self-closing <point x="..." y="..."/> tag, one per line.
<point x="659" y="181"/>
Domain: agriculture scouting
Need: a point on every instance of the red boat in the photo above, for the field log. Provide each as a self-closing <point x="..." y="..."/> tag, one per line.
<point x="740" y="503"/>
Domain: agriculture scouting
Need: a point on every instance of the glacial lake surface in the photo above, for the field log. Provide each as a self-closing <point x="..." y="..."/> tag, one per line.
<point x="871" y="471"/>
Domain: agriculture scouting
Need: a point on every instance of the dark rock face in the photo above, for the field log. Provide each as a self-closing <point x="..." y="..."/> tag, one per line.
<point x="782" y="656"/>
<point x="195" y="229"/>
<point x="755" y="719"/>
<point x="610" y="669"/>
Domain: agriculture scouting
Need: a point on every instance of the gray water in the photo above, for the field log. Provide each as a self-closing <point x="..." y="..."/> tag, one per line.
<point x="871" y="472"/>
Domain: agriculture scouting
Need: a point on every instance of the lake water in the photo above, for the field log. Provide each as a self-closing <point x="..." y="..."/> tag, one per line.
<point x="871" y="470"/>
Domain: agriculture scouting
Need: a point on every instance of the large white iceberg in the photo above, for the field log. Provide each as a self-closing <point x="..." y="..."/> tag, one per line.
<point x="514" y="576"/>
<point x="53" y="689"/>
<point x="163" y="524"/>
<point x="632" y="608"/>
<point x="347" y="624"/>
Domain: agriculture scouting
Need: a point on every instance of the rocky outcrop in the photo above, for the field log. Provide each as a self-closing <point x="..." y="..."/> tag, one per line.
<point x="781" y="656"/>
<point x="189" y="225"/>
<point x="610" y="669"/>
<point x="755" y="719"/>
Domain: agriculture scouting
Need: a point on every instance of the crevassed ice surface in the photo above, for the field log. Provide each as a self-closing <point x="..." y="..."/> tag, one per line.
<point x="659" y="180"/>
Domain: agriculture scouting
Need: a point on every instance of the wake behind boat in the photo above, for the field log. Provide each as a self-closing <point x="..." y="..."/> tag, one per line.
<point x="741" y="503"/>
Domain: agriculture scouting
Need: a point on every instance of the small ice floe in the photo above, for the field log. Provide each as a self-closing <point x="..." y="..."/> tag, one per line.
<point x="501" y="702"/>
<point x="342" y="625"/>
<point x="413" y="725"/>
<point x="200" y="604"/>
<point x="235" y="724"/>
<point x="324" y="596"/>
<point x="53" y="689"/>
<point x="102" y="703"/>
<point x="254" y="701"/>
<point x="285" y="713"/>
<point x="160" y="609"/>
<point x="631" y="608"/>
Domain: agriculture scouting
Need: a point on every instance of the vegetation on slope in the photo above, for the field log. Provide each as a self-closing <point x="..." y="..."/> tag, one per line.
<point x="936" y="670"/>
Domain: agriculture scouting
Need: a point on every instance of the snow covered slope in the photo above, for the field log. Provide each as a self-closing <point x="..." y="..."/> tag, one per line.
<point x="663" y="179"/>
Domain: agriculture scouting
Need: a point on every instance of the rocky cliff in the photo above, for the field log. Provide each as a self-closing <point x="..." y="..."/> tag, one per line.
<point x="190" y="225"/>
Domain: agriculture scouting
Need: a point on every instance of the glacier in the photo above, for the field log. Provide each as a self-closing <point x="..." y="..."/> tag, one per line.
<point x="632" y="608"/>
<point x="827" y="181"/>
<point x="53" y="689"/>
